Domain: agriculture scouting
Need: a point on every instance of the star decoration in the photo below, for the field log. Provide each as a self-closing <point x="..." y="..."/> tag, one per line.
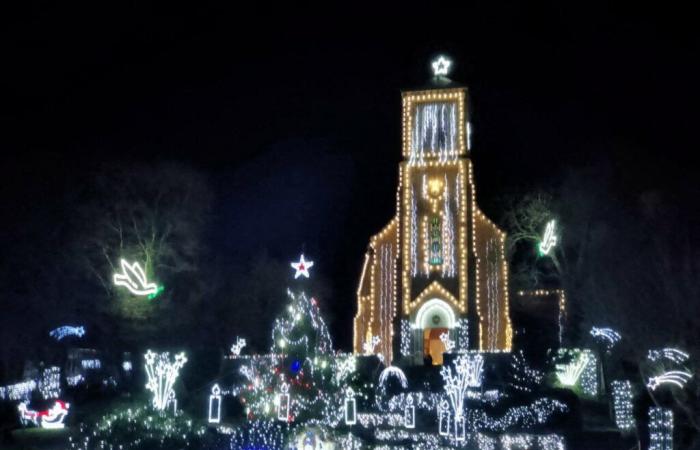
<point x="441" y="66"/>
<point x="302" y="267"/>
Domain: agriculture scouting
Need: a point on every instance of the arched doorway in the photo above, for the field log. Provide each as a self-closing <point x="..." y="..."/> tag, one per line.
<point x="434" y="318"/>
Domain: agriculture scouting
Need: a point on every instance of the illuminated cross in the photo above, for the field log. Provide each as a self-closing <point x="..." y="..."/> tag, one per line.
<point x="302" y="267"/>
<point x="441" y="66"/>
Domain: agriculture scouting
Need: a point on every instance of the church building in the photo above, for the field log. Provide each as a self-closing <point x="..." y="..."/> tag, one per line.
<point x="436" y="274"/>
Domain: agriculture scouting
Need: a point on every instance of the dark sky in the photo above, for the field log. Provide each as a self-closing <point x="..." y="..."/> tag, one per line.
<point x="296" y="116"/>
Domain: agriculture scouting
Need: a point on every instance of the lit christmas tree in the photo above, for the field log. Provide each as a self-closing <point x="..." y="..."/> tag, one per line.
<point x="302" y="378"/>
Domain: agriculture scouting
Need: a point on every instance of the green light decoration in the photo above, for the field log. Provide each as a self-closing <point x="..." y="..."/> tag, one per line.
<point x="158" y="291"/>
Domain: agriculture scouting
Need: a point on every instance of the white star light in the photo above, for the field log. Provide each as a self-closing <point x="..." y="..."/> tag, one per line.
<point x="441" y="66"/>
<point x="302" y="267"/>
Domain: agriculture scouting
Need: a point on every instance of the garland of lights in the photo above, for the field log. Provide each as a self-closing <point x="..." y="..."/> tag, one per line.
<point x="523" y="377"/>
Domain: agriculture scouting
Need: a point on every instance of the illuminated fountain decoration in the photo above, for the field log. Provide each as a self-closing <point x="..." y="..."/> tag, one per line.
<point x="393" y="372"/>
<point x="549" y="239"/>
<point x="467" y="374"/>
<point x="134" y="279"/>
<point x="51" y="418"/>
<point x="569" y="374"/>
<point x="162" y="373"/>
<point x="67" y="330"/>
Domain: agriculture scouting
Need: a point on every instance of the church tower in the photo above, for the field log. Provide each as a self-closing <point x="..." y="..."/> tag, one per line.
<point x="437" y="270"/>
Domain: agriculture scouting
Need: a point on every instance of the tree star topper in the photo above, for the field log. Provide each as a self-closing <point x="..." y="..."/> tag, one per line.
<point x="441" y="66"/>
<point x="302" y="267"/>
<point x="134" y="279"/>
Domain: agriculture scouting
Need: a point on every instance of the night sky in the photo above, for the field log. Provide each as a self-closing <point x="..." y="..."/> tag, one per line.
<point x="296" y="118"/>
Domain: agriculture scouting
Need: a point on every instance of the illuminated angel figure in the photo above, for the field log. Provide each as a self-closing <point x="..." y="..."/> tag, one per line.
<point x="134" y="279"/>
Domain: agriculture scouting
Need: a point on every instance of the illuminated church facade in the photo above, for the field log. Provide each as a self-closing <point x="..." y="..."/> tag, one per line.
<point x="438" y="269"/>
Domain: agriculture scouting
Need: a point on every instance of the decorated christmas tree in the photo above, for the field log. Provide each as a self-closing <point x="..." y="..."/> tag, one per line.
<point x="302" y="378"/>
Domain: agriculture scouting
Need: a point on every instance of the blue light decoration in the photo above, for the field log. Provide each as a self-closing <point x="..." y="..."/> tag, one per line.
<point x="67" y="330"/>
<point x="296" y="366"/>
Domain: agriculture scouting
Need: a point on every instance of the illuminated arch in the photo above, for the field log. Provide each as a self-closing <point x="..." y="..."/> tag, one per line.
<point x="435" y="306"/>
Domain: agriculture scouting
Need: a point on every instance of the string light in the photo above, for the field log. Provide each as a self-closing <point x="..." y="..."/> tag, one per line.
<point x="660" y="428"/>
<point x="238" y="346"/>
<point x="133" y="278"/>
<point x="608" y="336"/>
<point x="67" y="330"/>
<point x="622" y="404"/>
<point x="672" y="354"/>
<point x="50" y="383"/>
<point x="18" y="391"/>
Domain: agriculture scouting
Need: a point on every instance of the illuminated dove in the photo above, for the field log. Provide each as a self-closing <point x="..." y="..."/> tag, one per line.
<point x="134" y="279"/>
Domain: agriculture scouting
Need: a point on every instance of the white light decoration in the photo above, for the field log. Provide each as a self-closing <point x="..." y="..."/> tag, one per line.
<point x="393" y="372"/>
<point x="409" y="414"/>
<point x="468" y="373"/>
<point x="406" y="337"/>
<point x="660" y="429"/>
<point x="549" y="239"/>
<point x="523" y="377"/>
<point x="238" y="346"/>
<point x="369" y="345"/>
<point x="126" y="366"/>
<point x="172" y="402"/>
<point x="91" y="364"/>
<point x="18" y="391"/>
<point x="675" y="377"/>
<point x="462" y="334"/>
<point x="215" y="405"/>
<point x="441" y="66"/>
<point x="672" y="354"/>
<point x="51" y="418"/>
<point x="283" y="403"/>
<point x="162" y="373"/>
<point x="134" y="279"/>
<point x="608" y="336"/>
<point x="622" y="404"/>
<point x="50" y="384"/>
<point x="350" y="407"/>
<point x="302" y="267"/>
<point x="569" y="374"/>
<point x="443" y="418"/>
<point x="447" y="342"/>
<point x="67" y="330"/>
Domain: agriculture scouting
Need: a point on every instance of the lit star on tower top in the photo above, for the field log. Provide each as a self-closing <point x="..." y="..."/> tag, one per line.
<point x="441" y="66"/>
<point x="302" y="267"/>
